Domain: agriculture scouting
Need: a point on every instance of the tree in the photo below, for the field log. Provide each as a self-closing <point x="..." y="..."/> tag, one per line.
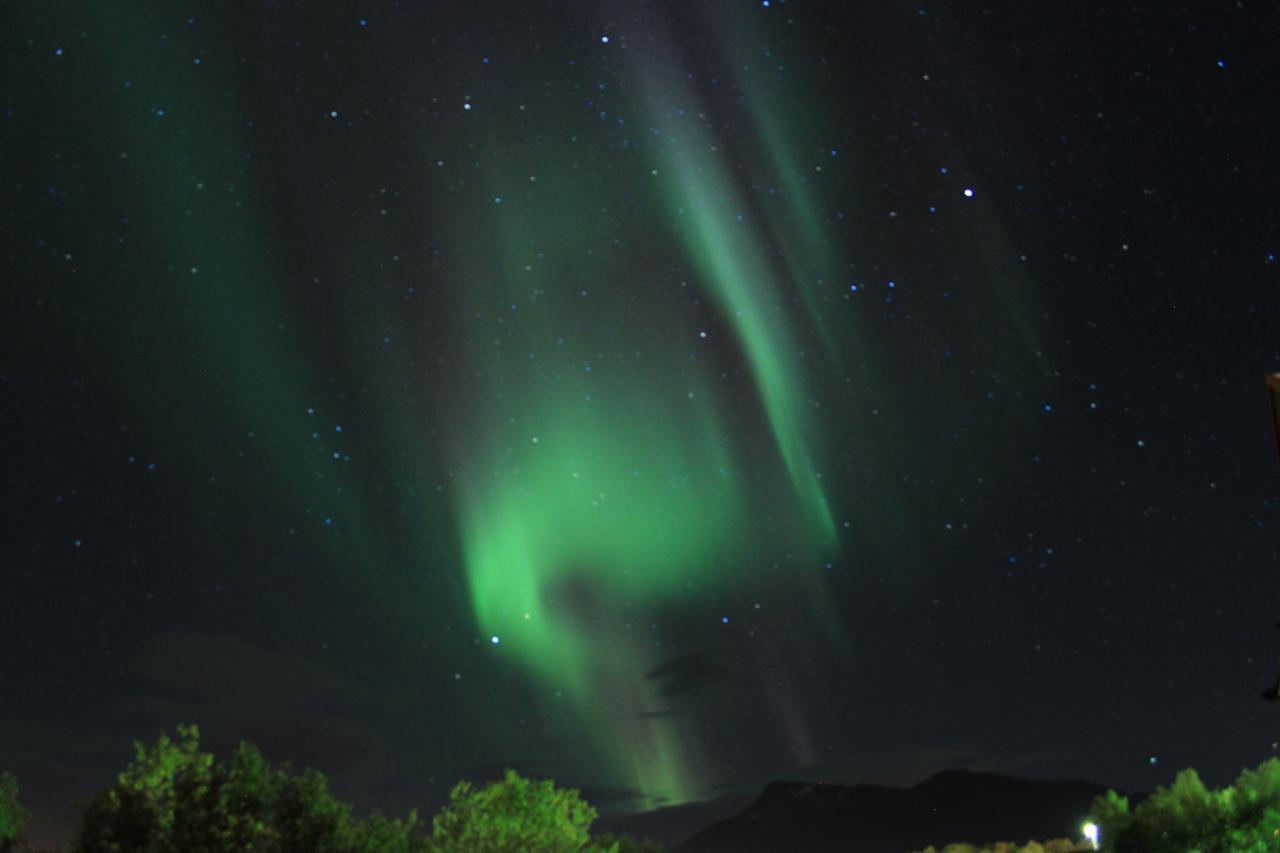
<point x="515" y="814"/>
<point x="174" y="798"/>
<point x="139" y="811"/>
<point x="1243" y="818"/>
<point x="12" y="816"/>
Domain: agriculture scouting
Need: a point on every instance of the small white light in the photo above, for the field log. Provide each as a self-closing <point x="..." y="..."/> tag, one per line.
<point x="1090" y="831"/>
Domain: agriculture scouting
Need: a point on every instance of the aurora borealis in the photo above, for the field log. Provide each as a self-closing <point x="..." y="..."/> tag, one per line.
<point x="661" y="397"/>
<point x="608" y="467"/>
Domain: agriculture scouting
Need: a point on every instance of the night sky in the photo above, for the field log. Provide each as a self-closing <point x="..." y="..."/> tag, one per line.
<point x="662" y="397"/>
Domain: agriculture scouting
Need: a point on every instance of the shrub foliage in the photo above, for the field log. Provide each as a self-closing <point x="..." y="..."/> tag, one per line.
<point x="174" y="798"/>
<point x="513" y="814"/>
<point x="1189" y="818"/>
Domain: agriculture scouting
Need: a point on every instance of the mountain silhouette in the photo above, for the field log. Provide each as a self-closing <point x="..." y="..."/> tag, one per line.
<point x="952" y="806"/>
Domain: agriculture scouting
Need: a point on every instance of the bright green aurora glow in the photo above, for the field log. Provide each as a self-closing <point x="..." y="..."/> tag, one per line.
<point x="600" y="489"/>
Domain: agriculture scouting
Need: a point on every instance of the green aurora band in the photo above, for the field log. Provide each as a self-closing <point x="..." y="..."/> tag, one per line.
<point x="608" y="468"/>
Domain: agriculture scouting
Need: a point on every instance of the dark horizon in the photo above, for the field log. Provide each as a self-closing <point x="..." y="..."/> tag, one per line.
<point x="665" y="399"/>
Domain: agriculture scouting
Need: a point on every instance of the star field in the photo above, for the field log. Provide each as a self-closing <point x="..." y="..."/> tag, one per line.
<point x="664" y="398"/>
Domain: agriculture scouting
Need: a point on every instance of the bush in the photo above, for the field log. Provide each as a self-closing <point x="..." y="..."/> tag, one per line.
<point x="12" y="815"/>
<point x="515" y="814"/>
<point x="174" y="798"/>
<point x="1189" y="818"/>
<point x="518" y="815"/>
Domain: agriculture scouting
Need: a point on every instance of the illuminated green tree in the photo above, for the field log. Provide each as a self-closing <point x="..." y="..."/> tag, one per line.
<point x="140" y="810"/>
<point x="173" y="797"/>
<point x="12" y="815"/>
<point x="515" y="814"/>
<point x="1243" y="818"/>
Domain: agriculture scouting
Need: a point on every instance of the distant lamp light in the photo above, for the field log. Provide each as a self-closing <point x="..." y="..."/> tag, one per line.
<point x="1090" y="831"/>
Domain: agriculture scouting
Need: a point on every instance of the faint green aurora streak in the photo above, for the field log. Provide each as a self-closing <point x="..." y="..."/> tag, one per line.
<point x="605" y="472"/>
<point x="210" y="338"/>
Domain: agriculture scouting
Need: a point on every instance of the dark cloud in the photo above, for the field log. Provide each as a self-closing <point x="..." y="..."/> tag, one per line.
<point x="688" y="673"/>
<point x="294" y="708"/>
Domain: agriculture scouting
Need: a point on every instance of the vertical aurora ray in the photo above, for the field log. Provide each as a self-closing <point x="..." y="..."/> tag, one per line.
<point x="209" y="335"/>
<point x="593" y="485"/>
<point x="214" y="316"/>
<point x="726" y="253"/>
<point x="608" y="471"/>
<point x="733" y="239"/>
